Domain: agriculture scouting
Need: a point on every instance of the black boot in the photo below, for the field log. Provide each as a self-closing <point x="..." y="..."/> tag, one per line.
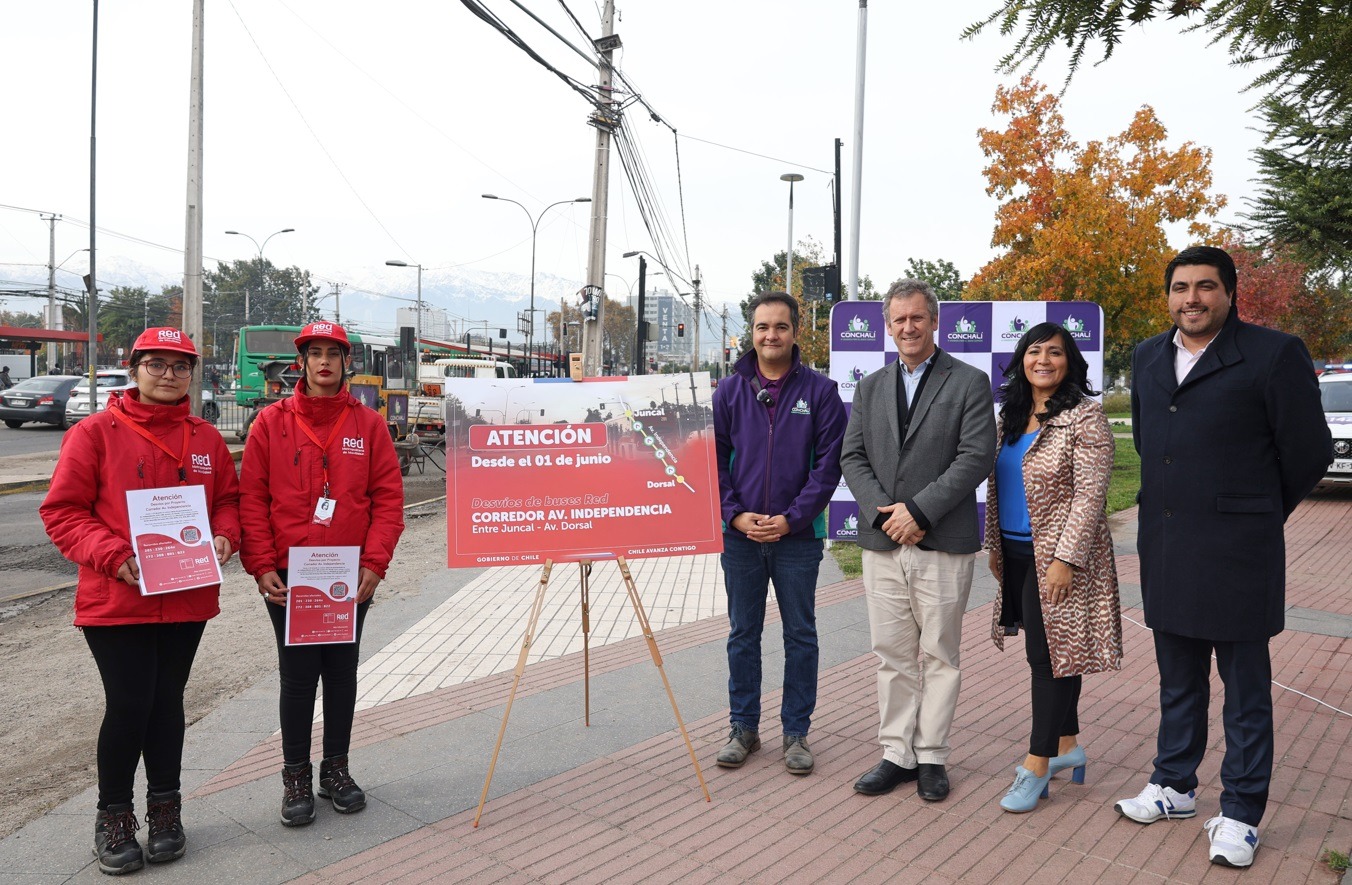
<point x="166" y="840"/>
<point x="115" y="842"/>
<point x="336" y="783"/>
<point x="298" y="798"/>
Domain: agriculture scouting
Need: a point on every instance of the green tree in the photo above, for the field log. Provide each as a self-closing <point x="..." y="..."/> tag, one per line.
<point x="282" y="296"/>
<point x="1305" y="180"/>
<point x="130" y="310"/>
<point x="940" y="274"/>
<point x="21" y="319"/>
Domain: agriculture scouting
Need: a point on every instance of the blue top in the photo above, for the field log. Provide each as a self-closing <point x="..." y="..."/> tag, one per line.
<point x="1014" y="522"/>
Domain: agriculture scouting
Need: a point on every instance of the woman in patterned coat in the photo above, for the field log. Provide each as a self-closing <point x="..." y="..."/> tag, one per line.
<point x="1047" y="532"/>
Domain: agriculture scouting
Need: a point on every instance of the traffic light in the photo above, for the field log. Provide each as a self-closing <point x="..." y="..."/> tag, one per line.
<point x="680" y="330"/>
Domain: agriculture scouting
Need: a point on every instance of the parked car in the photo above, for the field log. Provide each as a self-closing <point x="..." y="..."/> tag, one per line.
<point x="108" y="380"/>
<point x="1335" y="389"/>
<point x="41" y="399"/>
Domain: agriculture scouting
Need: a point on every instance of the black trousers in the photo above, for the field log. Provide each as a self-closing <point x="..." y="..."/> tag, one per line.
<point x="301" y="668"/>
<point x="144" y="668"/>
<point x="1245" y="669"/>
<point x="1056" y="702"/>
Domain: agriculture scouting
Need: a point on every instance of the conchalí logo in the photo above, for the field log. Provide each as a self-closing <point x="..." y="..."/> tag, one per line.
<point x="1017" y="327"/>
<point x="1075" y="326"/>
<point x="857" y="330"/>
<point x="849" y="528"/>
<point x="853" y="377"/>
<point x="964" y="330"/>
<point x="801" y="408"/>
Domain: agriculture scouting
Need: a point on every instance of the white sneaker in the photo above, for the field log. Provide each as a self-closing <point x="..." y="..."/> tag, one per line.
<point x="1232" y="841"/>
<point x="1157" y="802"/>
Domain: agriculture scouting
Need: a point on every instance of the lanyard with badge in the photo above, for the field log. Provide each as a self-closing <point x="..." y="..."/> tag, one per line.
<point x="325" y="506"/>
<point x="155" y="440"/>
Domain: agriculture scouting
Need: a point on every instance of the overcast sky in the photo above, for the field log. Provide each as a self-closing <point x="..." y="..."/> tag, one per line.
<point x="372" y="129"/>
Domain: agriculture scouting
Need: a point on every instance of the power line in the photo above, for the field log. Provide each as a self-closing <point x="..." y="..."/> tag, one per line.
<point x="313" y="133"/>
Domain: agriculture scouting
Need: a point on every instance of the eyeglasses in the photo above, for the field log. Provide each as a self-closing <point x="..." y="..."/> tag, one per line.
<point x="159" y="367"/>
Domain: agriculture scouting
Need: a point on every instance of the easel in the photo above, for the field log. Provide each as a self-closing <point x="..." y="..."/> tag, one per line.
<point x="584" y="573"/>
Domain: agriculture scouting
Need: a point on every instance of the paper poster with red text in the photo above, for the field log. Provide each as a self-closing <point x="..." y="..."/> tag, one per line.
<point x="172" y="539"/>
<point x="565" y="470"/>
<point x="321" y="598"/>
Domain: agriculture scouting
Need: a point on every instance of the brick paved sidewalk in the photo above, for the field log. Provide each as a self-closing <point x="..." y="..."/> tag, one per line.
<point x="637" y="815"/>
<point x="619" y="801"/>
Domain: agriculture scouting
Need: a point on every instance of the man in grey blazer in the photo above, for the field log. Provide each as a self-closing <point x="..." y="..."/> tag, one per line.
<point x="920" y="439"/>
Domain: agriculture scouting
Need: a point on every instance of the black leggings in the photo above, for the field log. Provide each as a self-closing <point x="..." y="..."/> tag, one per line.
<point x="1056" y="701"/>
<point x="301" y="668"/>
<point x="144" y="669"/>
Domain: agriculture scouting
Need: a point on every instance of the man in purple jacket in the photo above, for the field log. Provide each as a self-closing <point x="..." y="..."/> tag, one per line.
<point x="779" y="426"/>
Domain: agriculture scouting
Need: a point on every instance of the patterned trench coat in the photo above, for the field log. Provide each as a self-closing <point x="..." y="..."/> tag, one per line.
<point x="1066" y="472"/>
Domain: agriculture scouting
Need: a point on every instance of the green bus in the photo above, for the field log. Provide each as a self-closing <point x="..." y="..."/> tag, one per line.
<point x="256" y="345"/>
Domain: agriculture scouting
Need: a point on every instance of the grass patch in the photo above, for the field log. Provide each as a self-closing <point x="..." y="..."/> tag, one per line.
<point x="1336" y="860"/>
<point x="1126" y="478"/>
<point x="1122" y="488"/>
<point x="850" y="557"/>
<point x="1117" y="404"/>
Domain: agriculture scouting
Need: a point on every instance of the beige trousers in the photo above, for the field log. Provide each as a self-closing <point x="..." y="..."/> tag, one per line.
<point x="916" y="600"/>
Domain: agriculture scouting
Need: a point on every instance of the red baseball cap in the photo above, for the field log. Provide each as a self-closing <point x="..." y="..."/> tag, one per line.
<point x="323" y="330"/>
<point x="165" y="338"/>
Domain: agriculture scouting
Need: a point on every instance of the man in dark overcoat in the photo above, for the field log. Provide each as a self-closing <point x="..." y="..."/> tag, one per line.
<point x="1227" y="420"/>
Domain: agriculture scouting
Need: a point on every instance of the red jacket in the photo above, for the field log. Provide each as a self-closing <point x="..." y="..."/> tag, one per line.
<point x="282" y="478"/>
<point x="85" y="511"/>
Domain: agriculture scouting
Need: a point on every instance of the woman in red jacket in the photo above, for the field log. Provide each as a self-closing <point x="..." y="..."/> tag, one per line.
<point x="320" y="448"/>
<point x="144" y="645"/>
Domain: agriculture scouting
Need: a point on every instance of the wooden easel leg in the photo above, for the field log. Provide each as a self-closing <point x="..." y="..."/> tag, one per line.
<point x="642" y="615"/>
<point x="584" y="573"/>
<point x="536" y="607"/>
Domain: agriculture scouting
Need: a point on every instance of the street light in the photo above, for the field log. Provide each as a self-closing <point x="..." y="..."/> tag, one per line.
<point x="417" y="326"/>
<point x="790" y="177"/>
<point x="534" y="228"/>
<point x="235" y="233"/>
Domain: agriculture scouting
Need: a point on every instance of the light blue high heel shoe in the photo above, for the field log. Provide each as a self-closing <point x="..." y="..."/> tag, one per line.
<point x="1027" y="789"/>
<point x="1074" y="760"/>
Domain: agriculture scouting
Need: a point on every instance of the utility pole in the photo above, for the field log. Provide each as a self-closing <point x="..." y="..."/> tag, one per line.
<point x="91" y="281"/>
<point x="53" y="316"/>
<point x="694" y="342"/>
<point x="605" y="119"/>
<point x="192" y="250"/>
<point x="726" y="346"/>
<point x="337" y="291"/>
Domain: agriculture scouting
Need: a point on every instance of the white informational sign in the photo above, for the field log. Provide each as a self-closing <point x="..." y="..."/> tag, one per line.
<point x="321" y="599"/>
<point x="171" y="537"/>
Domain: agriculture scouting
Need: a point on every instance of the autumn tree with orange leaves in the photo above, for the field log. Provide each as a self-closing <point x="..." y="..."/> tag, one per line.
<point x="1087" y="222"/>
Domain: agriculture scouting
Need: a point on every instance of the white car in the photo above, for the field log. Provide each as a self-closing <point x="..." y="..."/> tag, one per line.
<point x="1335" y="389"/>
<point x="108" y="380"/>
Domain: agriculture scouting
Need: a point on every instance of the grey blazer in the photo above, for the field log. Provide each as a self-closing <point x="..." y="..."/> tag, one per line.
<point x="948" y="451"/>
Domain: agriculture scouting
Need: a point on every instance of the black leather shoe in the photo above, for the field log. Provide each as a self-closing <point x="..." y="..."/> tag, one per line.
<point x="932" y="782"/>
<point x="883" y="778"/>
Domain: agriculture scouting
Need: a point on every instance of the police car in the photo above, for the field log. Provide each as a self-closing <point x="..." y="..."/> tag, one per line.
<point x="1335" y="390"/>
